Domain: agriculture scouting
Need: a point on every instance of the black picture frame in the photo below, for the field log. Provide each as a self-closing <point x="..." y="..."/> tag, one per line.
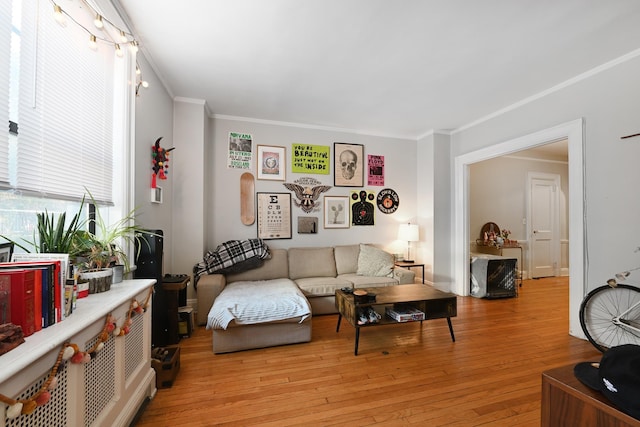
<point x="348" y="165"/>
<point x="274" y="216"/>
<point x="6" y="250"/>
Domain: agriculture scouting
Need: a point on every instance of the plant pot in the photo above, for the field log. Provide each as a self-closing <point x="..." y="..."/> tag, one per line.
<point x="118" y="273"/>
<point x="99" y="280"/>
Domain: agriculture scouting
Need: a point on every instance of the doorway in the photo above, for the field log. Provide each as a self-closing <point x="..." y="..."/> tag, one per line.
<point x="573" y="132"/>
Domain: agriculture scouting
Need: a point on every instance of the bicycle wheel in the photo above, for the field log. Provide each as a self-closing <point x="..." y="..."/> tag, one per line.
<point x="601" y="306"/>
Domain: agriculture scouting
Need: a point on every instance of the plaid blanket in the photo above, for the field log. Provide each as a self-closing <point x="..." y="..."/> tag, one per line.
<point x="232" y="256"/>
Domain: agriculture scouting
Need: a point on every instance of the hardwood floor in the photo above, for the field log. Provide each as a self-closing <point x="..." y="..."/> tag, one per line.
<point x="403" y="375"/>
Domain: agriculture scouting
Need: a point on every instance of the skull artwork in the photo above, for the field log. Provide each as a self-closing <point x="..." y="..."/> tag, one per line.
<point x="348" y="160"/>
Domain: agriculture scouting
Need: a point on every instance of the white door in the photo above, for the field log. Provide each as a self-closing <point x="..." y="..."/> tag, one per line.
<point x="543" y="224"/>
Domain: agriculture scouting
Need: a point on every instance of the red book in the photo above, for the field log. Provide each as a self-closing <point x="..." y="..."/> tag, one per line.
<point x="52" y="295"/>
<point x="22" y="298"/>
<point x="5" y="300"/>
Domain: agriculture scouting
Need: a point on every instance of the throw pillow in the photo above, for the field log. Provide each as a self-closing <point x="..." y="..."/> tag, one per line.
<point x="374" y="262"/>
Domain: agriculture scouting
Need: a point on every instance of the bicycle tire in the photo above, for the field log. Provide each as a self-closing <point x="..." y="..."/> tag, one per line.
<point x="598" y="309"/>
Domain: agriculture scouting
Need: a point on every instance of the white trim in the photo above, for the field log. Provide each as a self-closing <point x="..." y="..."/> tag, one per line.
<point x="533" y="159"/>
<point x="578" y="256"/>
<point x="580" y="77"/>
<point x="309" y="126"/>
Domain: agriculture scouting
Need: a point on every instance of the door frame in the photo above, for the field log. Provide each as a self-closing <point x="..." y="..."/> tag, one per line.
<point x="555" y="244"/>
<point x="573" y="131"/>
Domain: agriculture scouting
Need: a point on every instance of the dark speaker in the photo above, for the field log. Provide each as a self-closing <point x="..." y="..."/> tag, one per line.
<point x="149" y="247"/>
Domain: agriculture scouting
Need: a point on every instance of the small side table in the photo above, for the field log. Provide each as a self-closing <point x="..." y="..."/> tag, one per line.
<point x="410" y="265"/>
<point x="172" y="285"/>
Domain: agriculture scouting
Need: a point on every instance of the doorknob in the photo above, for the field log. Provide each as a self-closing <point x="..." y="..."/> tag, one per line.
<point x="535" y="231"/>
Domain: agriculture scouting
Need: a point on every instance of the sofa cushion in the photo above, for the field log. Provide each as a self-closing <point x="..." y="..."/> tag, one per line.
<point x="368" y="281"/>
<point x="374" y="262"/>
<point x="346" y="258"/>
<point x="321" y="286"/>
<point x="311" y="262"/>
<point x="274" y="268"/>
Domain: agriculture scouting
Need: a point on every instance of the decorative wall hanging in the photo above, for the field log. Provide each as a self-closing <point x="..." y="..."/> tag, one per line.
<point x="336" y="212"/>
<point x="387" y="201"/>
<point x="247" y="197"/>
<point x="307" y="191"/>
<point x="271" y="162"/>
<point x="376" y="170"/>
<point x="310" y="159"/>
<point x="274" y="216"/>
<point x="362" y="209"/>
<point x="307" y="225"/>
<point x="160" y="162"/>
<point x="348" y="165"/>
<point x="240" y="151"/>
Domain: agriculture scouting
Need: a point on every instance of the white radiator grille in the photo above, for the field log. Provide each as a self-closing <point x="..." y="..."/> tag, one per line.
<point x="52" y="414"/>
<point x="134" y="347"/>
<point x="99" y="380"/>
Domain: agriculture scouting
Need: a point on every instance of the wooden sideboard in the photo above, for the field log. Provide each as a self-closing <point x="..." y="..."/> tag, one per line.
<point x="107" y="391"/>
<point x="566" y="402"/>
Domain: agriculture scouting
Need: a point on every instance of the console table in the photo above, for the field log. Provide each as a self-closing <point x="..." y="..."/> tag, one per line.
<point x="566" y="402"/>
<point x="107" y="391"/>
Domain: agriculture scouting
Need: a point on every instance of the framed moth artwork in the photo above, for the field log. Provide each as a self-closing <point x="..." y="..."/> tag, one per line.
<point x="348" y="165"/>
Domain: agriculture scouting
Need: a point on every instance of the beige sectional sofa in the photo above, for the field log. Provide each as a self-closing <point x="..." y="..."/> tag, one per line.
<point x="317" y="271"/>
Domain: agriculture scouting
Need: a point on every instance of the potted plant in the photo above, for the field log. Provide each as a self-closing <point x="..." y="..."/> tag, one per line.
<point x="104" y="249"/>
<point x="52" y="236"/>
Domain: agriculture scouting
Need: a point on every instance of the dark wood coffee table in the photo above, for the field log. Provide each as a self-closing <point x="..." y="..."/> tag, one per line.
<point x="433" y="303"/>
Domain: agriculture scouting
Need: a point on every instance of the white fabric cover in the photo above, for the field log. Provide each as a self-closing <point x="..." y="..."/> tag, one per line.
<point x="374" y="262"/>
<point x="252" y="302"/>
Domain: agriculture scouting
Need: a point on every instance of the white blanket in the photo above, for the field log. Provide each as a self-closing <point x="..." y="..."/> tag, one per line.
<point x="254" y="302"/>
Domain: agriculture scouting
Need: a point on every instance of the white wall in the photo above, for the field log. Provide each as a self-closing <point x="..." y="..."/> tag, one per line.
<point x="223" y="212"/>
<point x="189" y="225"/>
<point x="153" y="119"/>
<point x="609" y="102"/>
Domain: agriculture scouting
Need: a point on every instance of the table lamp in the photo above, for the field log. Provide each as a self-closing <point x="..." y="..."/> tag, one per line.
<point x="409" y="233"/>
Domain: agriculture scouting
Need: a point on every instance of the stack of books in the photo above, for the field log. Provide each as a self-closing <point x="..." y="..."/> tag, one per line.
<point x="35" y="294"/>
<point x="404" y="313"/>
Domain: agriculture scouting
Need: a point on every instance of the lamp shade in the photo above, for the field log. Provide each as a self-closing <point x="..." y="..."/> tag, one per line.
<point x="409" y="232"/>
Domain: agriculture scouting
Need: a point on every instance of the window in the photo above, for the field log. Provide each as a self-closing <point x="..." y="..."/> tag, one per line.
<point x="61" y="101"/>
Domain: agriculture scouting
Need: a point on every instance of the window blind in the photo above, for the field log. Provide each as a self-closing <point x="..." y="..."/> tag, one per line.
<point x="5" y="70"/>
<point x="65" y="110"/>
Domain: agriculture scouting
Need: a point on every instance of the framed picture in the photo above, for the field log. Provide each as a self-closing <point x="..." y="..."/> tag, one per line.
<point x="336" y="212"/>
<point x="6" y="249"/>
<point x="348" y="165"/>
<point x="272" y="162"/>
<point x="274" y="216"/>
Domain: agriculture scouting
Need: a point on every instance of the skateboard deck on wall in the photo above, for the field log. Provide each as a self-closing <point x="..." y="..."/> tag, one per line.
<point x="247" y="197"/>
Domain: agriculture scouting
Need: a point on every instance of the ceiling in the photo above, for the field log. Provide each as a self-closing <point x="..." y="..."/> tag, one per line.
<point x="378" y="67"/>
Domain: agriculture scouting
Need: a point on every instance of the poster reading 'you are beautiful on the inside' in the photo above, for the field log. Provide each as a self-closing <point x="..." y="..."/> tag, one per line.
<point x="240" y="151"/>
